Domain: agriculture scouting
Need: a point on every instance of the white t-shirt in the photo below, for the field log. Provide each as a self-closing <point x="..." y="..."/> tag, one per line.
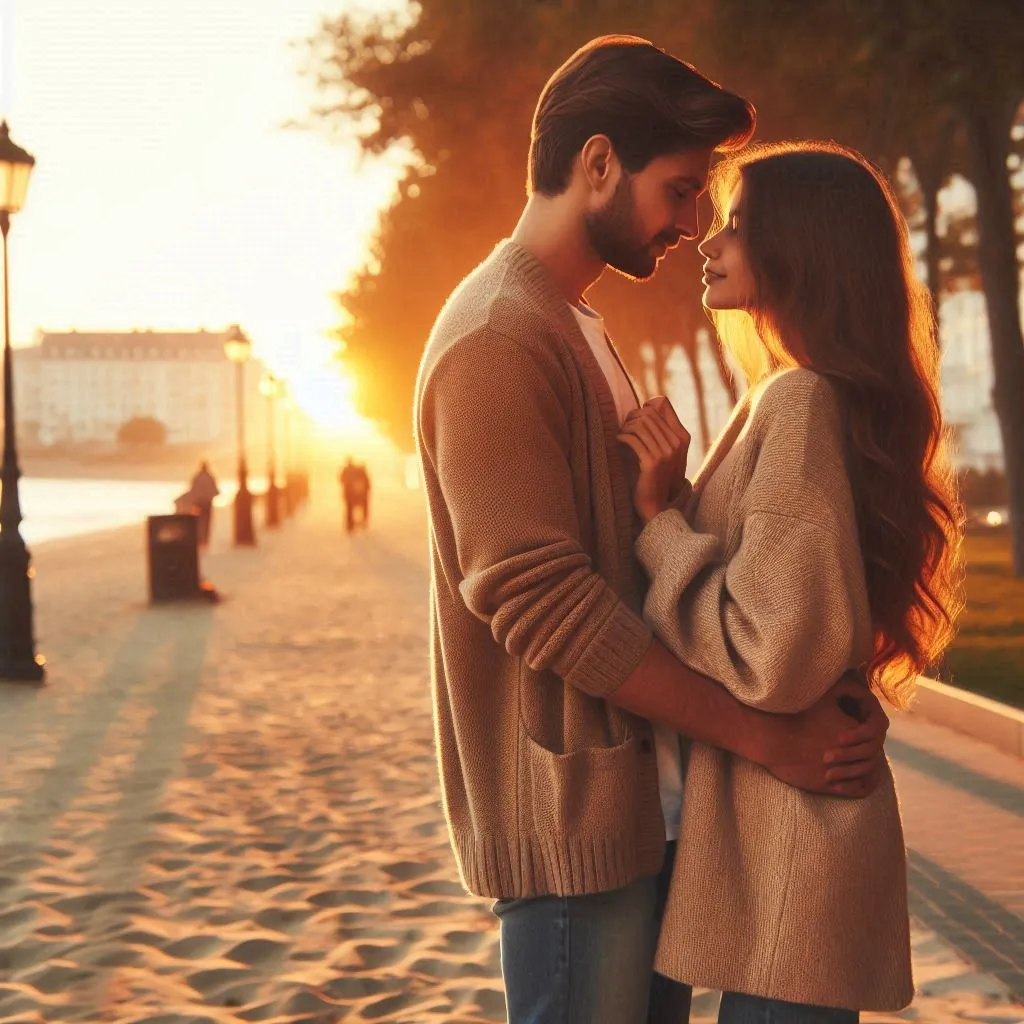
<point x="666" y="740"/>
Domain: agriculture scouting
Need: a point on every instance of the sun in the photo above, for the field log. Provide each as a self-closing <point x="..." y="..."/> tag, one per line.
<point x="328" y="398"/>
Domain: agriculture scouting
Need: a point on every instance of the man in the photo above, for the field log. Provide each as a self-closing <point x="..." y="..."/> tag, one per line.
<point x="355" y="493"/>
<point x="556" y="713"/>
<point x="203" y="489"/>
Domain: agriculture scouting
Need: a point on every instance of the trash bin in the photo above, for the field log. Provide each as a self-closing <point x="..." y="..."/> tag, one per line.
<point x="173" y="551"/>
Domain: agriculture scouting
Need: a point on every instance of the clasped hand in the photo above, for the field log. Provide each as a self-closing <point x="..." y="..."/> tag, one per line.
<point x="660" y="443"/>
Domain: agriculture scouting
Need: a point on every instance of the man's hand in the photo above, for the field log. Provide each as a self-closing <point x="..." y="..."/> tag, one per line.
<point x="836" y="746"/>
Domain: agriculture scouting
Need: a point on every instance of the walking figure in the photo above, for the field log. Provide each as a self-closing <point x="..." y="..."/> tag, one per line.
<point x="202" y="490"/>
<point x="355" y="493"/>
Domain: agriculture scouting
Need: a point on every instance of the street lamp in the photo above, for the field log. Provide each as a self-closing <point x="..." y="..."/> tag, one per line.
<point x="302" y="477"/>
<point x="18" y="658"/>
<point x="287" y="492"/>
<point x="270" y="388"/>
<point x="237" y="348"/>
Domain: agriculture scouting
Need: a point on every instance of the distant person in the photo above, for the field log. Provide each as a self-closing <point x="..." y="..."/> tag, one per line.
<point x="355" y="493"/>
<point x="202" y="491"/>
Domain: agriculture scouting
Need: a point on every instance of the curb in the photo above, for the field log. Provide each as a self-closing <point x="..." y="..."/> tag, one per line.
<point x="980" y="717"/>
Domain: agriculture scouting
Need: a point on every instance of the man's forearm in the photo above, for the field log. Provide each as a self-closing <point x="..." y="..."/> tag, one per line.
<point x="664" y="690"/>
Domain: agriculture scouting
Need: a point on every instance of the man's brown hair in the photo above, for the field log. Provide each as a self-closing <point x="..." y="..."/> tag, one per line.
<point x="646" y="101"/>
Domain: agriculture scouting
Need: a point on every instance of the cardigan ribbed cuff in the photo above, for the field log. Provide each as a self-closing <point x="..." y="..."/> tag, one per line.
<point x="668" y="541"/>
<point x="610" y="658"/>
<point x="659" y="539"/>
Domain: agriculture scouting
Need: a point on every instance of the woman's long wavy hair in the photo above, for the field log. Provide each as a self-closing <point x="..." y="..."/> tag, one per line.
<point x="837" y="292"/>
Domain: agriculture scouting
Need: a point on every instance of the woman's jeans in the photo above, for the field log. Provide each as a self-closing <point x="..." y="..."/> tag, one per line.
<point x="589" y="959"/>
<point x="740" y="1009"/>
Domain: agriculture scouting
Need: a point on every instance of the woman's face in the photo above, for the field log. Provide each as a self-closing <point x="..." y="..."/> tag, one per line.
<point x="728" y="279"/>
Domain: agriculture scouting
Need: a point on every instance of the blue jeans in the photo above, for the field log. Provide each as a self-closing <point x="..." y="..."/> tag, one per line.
<point x="589" y="959"/>
<point x="741" y="1009"/>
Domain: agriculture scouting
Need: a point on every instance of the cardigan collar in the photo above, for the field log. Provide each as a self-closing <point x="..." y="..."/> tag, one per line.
<point x="542" y="287"/>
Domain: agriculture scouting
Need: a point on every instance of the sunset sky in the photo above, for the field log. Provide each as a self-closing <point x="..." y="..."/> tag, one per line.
<point x="166" y="194"/>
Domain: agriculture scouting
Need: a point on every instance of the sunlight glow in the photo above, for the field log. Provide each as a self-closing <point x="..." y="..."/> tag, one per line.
<point x="167" y="194"/>
<point x="328" y="398"/>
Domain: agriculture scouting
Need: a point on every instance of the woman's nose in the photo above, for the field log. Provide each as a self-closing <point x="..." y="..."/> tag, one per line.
<point x="708" y="247"/>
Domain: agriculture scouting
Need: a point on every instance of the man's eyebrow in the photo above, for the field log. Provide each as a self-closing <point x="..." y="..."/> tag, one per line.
<point x="696" y="184"/>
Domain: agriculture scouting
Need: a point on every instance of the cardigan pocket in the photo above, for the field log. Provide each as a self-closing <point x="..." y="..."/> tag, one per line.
<point x="583" y="793"/>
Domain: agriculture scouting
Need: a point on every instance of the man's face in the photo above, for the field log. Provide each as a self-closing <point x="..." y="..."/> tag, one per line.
<point x="649" y="212"/>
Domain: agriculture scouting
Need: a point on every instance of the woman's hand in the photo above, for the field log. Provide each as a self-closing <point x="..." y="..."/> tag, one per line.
<point x="660" y="443"/>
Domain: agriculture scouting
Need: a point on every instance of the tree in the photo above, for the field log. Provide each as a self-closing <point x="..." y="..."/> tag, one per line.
<point x="969" y="58"/>
<point x="890" y="77"/>
<point x="397" y="80"/>
<point x="142" y="431"/>
<point x="455" y="81"/>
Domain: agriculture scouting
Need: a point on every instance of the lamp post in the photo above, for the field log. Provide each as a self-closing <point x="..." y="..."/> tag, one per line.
<point x="237" y="348"/>
<point x="304" y="447"/>
<point x="287" y="492"/>
<point x="18" y="659"/>
<point x="270" y="388"/>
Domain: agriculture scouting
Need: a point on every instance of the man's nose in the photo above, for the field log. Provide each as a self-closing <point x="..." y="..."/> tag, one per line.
<point x="687" y="224"/>
<point x="687" y="229"/>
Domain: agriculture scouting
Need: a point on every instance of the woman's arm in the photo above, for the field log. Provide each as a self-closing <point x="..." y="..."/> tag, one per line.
<point x="776" y="624"/>
<point x="783" y="617"/>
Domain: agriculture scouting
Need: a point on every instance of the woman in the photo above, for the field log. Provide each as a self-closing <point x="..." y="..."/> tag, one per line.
<point x="823" y="534"/>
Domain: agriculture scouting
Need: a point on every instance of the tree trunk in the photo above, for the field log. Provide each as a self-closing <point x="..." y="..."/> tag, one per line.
<point x="930" y="157"/>
<point x="930" y="184"/>
<point x="724" y="373"/>
<point x="698" y="390"/>
<point x="660" y="359"/>
<point x="988" y="141"/>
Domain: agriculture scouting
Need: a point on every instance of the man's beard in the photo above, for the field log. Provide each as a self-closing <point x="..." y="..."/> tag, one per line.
<point x="615" y="236"/>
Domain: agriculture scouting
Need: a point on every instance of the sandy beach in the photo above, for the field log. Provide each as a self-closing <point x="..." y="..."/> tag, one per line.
<point x="229" y="813"/>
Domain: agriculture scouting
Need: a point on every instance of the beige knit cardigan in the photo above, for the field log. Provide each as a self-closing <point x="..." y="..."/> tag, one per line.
<point x="535" y="596"/>
<point x="761" y="586"/>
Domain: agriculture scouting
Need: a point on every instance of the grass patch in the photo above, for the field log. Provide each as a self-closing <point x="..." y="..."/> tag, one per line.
<point x="987" y="656"/>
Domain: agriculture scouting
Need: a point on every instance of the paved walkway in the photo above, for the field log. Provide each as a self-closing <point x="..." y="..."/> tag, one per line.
<point x="963" y="808"/>
<point x="230" y="813"/>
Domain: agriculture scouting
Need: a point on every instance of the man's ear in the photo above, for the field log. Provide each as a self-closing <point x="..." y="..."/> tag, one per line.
<point x="599" y="162"/>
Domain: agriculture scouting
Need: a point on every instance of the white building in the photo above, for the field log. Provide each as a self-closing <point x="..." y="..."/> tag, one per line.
<point x="81" y="388"/>
<point x="967" y="379"/>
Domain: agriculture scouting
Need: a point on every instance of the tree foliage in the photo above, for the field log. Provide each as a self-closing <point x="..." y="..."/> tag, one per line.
<point x="455" y="82"/>
<point x="142" y="430"/>
<point x="940" y="81"/>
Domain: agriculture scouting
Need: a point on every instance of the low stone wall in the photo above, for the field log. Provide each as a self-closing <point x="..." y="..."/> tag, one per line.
<point x="980" y="717"/>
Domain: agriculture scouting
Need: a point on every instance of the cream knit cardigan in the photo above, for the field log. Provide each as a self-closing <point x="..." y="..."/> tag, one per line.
<point x="776" y="892"/>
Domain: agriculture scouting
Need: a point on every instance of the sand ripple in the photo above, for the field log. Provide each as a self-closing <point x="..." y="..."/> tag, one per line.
<point x="230" y="814"/>
<point x="237" y="827"/>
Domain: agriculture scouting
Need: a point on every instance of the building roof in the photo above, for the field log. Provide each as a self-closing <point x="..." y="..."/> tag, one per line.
<point x="150" y="345"/>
